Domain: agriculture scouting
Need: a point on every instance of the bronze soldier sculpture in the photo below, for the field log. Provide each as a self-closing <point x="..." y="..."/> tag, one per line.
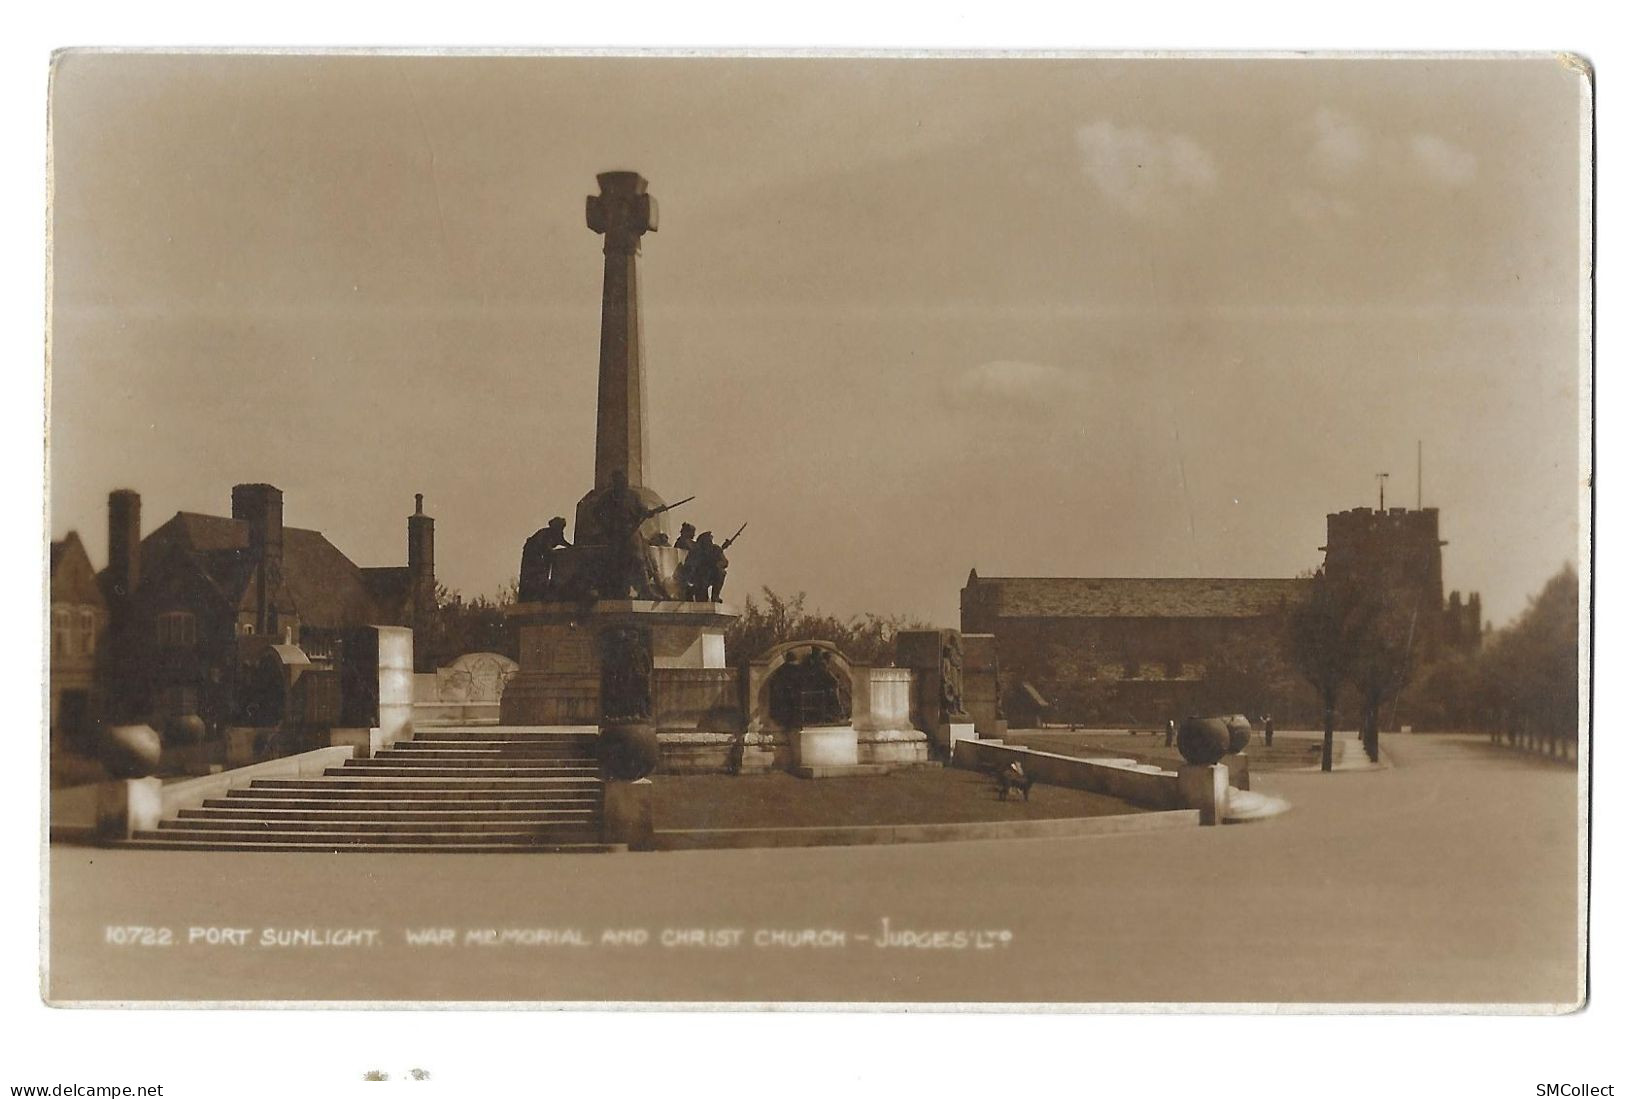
<point x="623" y="562"/>
<point x="953" y="681"/>
<point x="536" y="579"/>
<point x="706" y="568"/>
<point x="824" y="699"/>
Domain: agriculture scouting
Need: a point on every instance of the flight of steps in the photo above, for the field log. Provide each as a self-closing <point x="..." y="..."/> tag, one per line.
<point x="467" y="788"/>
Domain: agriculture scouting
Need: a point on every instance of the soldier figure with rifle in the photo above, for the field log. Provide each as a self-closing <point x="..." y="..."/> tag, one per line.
<point x="706" y="568"/>
<point x="624" y="559"/>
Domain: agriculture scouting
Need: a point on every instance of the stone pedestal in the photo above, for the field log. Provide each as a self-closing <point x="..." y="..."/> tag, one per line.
<point x="955" y="731"/>
<point x="557" y="681"/>
<point x="817" y="747"/>
<point x="127" y="806"/>
<point x="981" y="684"/>
<point x="629" y="813"/>
<point x="1205" y="788"/>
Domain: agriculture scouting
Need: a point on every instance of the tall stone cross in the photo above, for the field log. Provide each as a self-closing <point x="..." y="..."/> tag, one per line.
<point x="622" y="211"/>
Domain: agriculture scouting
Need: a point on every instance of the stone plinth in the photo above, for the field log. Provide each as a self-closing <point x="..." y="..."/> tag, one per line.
<point x="819" y="746"/>
<point x="981" y="680"/>
<point x="923" y="652"/>
<point x="881" y="698"/>
<point x="629" y="813"/>
<point x="952" y="732"/>
<point x="1205" y="788"/>
<point x="377" y="680"/>
<point x="127" y="806"/>
<point x="557" y="681"/>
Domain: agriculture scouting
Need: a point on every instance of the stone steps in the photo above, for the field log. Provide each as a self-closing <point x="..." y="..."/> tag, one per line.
<point x="274" y="813"/>
<point x="428" y="782"/>
<point x="169" y="842"/>
<point x="511" y="774"/>
<point x="531" y="828"/>
<point x="337" y="837"/>
<point x="400" y="805"/>
<point x="461" y="789"/>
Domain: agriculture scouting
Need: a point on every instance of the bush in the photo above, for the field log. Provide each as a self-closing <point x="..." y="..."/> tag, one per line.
<point x="865" y="639"/>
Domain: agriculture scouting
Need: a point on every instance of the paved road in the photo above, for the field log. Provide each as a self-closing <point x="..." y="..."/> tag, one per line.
<point x="1451" y="877"/>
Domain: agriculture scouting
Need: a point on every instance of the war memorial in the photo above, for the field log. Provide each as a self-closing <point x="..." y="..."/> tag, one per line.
<point x="1074" y="375"/>
<point x="622" y="672"/>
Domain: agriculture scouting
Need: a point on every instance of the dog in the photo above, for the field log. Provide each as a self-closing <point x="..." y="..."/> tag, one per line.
<point x="1012" y="777"/>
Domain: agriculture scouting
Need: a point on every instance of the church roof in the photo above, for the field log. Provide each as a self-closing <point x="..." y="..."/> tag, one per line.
<point x="1131" y="597"/>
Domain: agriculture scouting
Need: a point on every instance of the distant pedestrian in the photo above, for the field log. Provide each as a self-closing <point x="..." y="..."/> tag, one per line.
<point x="1168" y="734"/>
<point x="1269" y="730"/>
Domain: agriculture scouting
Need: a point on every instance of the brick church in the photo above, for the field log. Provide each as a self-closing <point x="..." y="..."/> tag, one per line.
<point x="1141" y="650"/>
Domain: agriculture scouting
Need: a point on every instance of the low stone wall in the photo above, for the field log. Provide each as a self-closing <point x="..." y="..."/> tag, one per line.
<point x="1137" y="783"/>
<point x="116" y="810"/>
<point x="702" y="700"/>
<point x="862" y="835"/>
<point x="701" y="753"/>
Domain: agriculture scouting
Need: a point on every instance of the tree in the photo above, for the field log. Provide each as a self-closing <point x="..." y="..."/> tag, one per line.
<point x="1322" y="640"/>
<point x="467" y="626"/>
<point x="1534" y="666"/>
<point x="1383" y="640"/>
<point x="865" y="639"/>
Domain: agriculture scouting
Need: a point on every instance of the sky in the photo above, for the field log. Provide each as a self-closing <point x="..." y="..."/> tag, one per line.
<point x="1080" y="317"/>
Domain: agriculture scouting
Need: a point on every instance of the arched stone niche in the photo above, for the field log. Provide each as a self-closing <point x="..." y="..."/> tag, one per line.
<point x="760" y="675"/>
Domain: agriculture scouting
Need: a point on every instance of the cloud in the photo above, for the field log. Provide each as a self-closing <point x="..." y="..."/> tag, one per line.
<point x="1340" y="147"/>
<point x="1343" y="157"/>
<point x="1143" y="172"/>
<point x="1318" y="207"/>
<point x="1442" y="163"/>
<point x="1014" y="388"/>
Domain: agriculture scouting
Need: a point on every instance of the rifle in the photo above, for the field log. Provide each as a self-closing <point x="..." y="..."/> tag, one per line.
<point x="736" y="535"/>
<point x="667" y="507"/>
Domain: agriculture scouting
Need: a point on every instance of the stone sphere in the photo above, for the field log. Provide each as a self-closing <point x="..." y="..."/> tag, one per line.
<point x="1204" y="740"/>
<point x="130" y="751"/>
<point x="1241" y="731"/>
<point x="628" y="751"/>
<point x="186" y="729"/>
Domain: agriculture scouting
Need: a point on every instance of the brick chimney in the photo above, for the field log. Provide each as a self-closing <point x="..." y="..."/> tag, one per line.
<point x="123" y="541"/>
<point x="420" y="562"/>
<point x="260" y="506"/>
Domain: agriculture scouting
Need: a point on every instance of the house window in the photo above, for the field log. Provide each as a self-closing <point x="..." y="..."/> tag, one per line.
<point x="61" y="631"/>
<point x="87" y="632"/>
<point x="177" y="630"/>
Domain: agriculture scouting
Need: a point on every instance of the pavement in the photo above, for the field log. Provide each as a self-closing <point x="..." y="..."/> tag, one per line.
<point x="1451" y="877"/>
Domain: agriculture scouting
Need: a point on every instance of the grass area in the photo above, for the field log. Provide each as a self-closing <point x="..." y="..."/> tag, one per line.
<point x="919" y="796"/>
<point x="1286" y="753"/>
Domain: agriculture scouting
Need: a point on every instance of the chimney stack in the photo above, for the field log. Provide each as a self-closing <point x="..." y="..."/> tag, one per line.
<point x="420" y="562"/>
<point x="123" y="541"/>
<point x="260" y="506"/>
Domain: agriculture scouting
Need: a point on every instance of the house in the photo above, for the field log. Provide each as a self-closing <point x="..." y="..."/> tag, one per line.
<point x="202" y="603"/>
<point x="78" y="622"/>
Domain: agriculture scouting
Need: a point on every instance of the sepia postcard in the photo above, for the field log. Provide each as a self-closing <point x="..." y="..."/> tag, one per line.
<point x="1007" y="531"/>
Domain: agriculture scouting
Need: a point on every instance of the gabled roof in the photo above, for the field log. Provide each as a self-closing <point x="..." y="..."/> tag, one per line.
<point x="325" y="587"/>
<point x="73" y="580"/>
<point x="1131" y="597"/>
